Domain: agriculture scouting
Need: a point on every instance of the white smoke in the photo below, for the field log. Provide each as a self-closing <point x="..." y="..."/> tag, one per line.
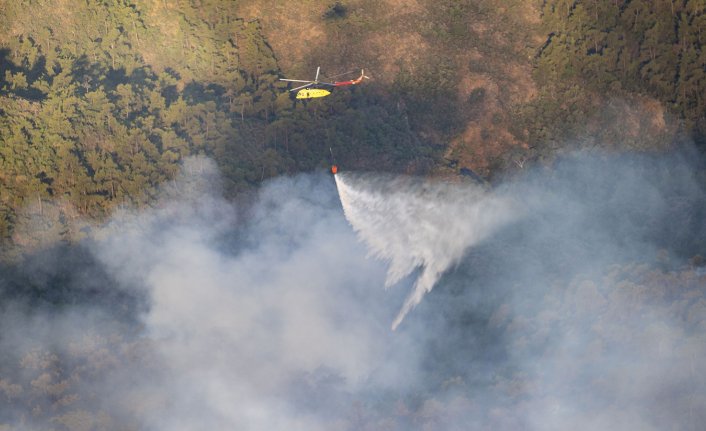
<point x="235" y="329"/>
<point x="415" y="223"/>
<point x="186" y="317"/>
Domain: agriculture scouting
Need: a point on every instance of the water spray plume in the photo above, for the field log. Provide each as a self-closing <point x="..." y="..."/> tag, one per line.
<point x="414" y="223"/>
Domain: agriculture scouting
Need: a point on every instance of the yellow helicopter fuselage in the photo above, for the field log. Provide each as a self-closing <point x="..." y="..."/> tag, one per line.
<point x="310" y="93"/>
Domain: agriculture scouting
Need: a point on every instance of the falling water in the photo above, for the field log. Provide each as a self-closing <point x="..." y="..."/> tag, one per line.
<point x="416" y="223"/>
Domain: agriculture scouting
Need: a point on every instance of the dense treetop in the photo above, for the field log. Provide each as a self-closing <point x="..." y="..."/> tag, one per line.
<point x="624" y="49"/>
<point x="100" y="101"/>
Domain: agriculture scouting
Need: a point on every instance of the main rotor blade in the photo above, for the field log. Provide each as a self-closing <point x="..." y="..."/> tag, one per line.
<point x="318" y="69"/>
<point x="341" y="74"/>
<point x="303" y="86"/>
<point x="294" y="80"/>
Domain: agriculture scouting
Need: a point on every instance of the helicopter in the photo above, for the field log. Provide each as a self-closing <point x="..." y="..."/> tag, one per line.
<point x="315" y="88"/>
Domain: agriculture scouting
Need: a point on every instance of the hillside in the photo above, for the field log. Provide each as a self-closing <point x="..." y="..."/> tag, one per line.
<point x="522" y="183"/>
<point x="513" y="81"/>
<point x="101" y="102"/>
<point x="457" y="69"/>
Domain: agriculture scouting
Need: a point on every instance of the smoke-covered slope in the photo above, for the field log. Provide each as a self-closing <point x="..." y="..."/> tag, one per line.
<point x="585" y="312"/>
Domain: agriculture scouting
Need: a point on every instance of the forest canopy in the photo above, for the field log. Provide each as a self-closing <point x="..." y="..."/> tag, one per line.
<point x="101" y="101"/>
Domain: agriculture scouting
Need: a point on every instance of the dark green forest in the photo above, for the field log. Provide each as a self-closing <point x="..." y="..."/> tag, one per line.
<point x="101" y="100"/>
<point x="86" y="123"/>
<point x="620" y="49"/>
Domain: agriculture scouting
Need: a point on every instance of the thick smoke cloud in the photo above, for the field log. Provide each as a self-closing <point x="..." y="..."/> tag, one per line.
<point x="567" y="298"/>
<point x="242" y="317"/>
